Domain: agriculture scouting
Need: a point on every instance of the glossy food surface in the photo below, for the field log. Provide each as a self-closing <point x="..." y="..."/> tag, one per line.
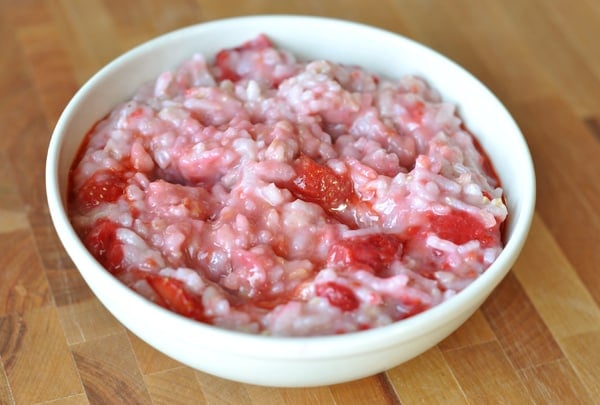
<point x="262" y="193"/>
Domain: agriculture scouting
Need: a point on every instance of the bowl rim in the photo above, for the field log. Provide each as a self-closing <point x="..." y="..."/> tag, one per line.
<point x="284" y="347"/>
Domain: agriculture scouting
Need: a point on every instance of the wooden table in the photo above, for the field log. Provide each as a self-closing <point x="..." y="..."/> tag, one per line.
<point x="536" y="339"/>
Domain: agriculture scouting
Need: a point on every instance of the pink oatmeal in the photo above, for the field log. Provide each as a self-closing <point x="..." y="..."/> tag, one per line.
<point x="269" y="195"/>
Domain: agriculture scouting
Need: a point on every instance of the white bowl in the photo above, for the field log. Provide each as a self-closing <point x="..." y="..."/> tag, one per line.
<point x="276" y="361"/>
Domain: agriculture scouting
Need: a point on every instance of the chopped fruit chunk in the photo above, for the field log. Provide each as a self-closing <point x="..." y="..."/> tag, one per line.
<point x="103" y="186"/>
<point x="176" y="298"/>
<point x="102" y="242"/>
<point x="376" y="251"/>
<point x="228" y="59"/>
<point x="319" y="184"/>
<point x="461" y="227"/>
<point x="338" y="295"/>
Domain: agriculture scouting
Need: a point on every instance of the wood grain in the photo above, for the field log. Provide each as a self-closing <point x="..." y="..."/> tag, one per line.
<point x="427" y="379"/>
<point x="98" y="358"/>
<point x="535" y="340"/>
<point x="36" y="358"/>
<point x="485" y="374"/>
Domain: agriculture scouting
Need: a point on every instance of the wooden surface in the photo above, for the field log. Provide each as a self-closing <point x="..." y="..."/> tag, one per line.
<point x="536" y="340"/>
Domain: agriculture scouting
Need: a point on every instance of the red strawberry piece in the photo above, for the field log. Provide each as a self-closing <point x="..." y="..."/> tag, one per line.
<point x="226" y="59"/>
<point x="104" y="186"/>
<point x="338" y="295"/>
<point x="319" y="184"/>
<point x="376" y="251"/>
<point x="176" y="298"/>
<point x="461" y="227"/>
<point x="103" y="244"/>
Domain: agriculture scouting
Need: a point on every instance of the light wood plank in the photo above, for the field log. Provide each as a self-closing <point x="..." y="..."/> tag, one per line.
<point x="35" y="373"/>
<point x="571" y="48"/>
<point x="367" y="390"/>
<point x="264" y="395"/>
<point x="12" y="221"/>
<point x="24" y="285"/>
<point x="507" y="310"/>
<point x="427" y="379"/>
<point x="220" y="391"/>
<point x="47" y="65"/>
<point x="474" y="331"/>
<point x="452" y="43"/>
<point x="583" y="351"/>
<point x="109" y="371"/>
<point x="593" y="124"/>
<point x="175" y="386"/>
<point x="11" y="205"/>
<point x="151" y="361"/>
<point x="79" y="399"/>
<point x="87" y="320"/>
<point x="307" y="396"/>
<point x="135" y="21"/>
<point x="486" y="376"/>
<point x="554" y="288"/>
<point x="582" y="35"/>
<point x="507" y="66"/>
<point x="67" y="285"/>
<point x="554" y="383"/>
<point x="6" y="396"/>
<point x="568" y="193"/>
<point x="89" y="24"/>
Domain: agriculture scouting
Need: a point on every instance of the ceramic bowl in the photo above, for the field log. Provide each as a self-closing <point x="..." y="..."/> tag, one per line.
<point x="298" y="361"/>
